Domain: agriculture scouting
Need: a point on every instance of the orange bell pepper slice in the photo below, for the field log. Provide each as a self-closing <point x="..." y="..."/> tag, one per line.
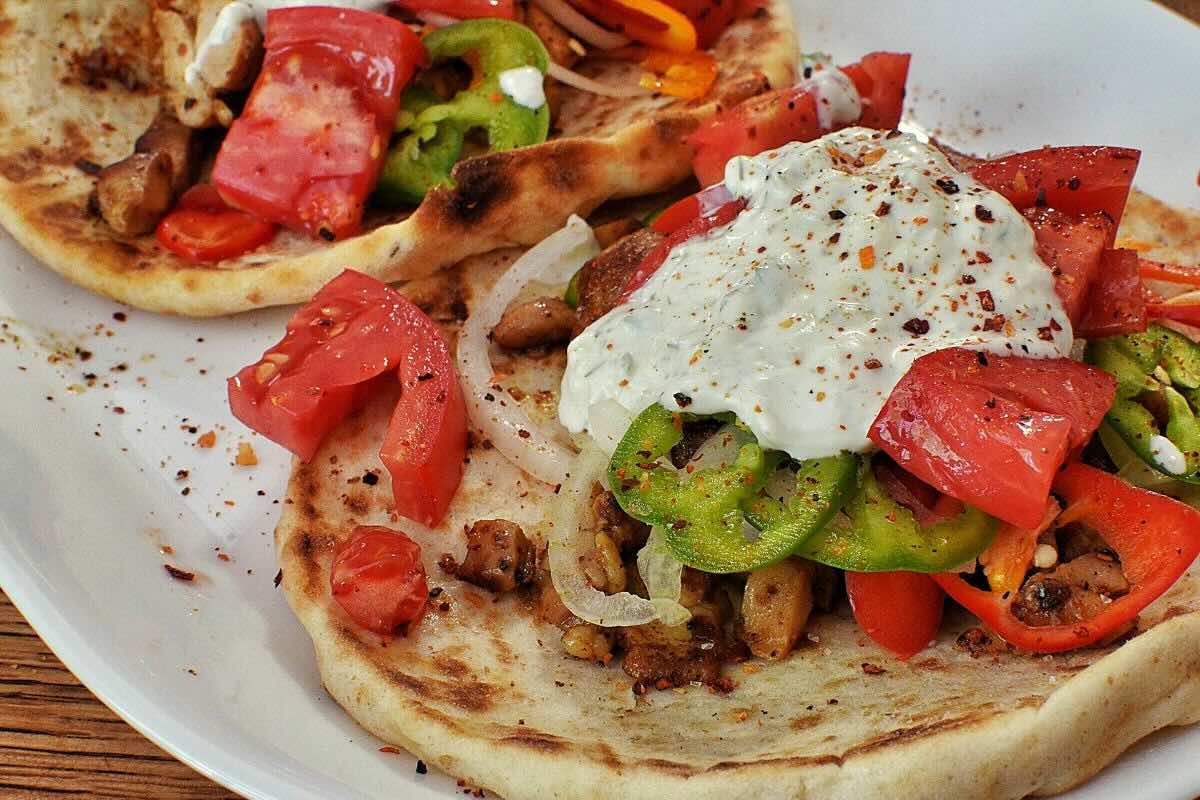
<point x="686" y="75"/>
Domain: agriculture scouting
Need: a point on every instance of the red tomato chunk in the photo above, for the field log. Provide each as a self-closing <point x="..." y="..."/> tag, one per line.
<point x="309" y="146"/>
<point x="353" y="331"/>
<point x="378" y="579"/>
<point x="992" y="431"/>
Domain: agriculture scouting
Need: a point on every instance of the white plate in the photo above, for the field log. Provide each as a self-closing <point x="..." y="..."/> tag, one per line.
<point x="217" y="671"/>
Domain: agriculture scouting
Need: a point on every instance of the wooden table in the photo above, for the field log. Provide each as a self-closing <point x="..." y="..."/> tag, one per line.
<point x="57" y="740"/>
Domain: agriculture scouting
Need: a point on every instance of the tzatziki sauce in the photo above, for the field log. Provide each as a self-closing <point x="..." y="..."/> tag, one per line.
<point x="856" y="254"/>
<point x="525" y="85"/>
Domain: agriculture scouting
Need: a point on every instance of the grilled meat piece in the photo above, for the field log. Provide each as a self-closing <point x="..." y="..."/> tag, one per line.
<point x="170" y="136"/>
<point x="604" y="277"/>
<point x="662" y="656"/>
<point x="537" y="323"/>
<point x="775" y="607"/>
<point x="134" y="194"/>
<point x="1071" y="592"/>
<point x="555" y="37"/>
<point x="628" y="534"/>
<point x="499" y="556"/>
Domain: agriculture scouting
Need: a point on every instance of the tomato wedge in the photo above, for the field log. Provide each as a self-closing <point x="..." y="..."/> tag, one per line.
<point x="775" y="118"/>
<point x="901" y="611"/>
<point x="1070" y="245"/>
<point x="354" y="330"/>
<point x="1155" y="537"/>
<point x="991" y="431"/>
<point x="1116" y="303"/>
<point x="378" y="579"/>
<point x="203" y="229"/>
<point x="309" y="145"/>
<point x="880" y="78"/>
<point x="1187" y="313"/>
<point x="463" y="9"/>
<point x="1078" y="180"/>
<point x="697" y="227"/>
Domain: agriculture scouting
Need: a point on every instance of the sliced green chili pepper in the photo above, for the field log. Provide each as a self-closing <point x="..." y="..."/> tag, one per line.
<point x="1158" y="394"/>
<point x="704" y="517"/>
<point x="424" y="156"/>
<point x="571" y="295"/>
<point x="877" y="534"/>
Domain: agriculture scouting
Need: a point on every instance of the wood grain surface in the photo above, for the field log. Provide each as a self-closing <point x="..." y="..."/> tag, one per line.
<point x="57" y="740"/>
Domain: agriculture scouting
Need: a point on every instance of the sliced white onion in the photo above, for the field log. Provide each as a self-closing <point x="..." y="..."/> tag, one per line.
<point x="663" y="575"/>
<point x="509" y="428"/>
<point x="436" y="19"/>
<point x="568" y="540"/>
<point x="584" y="84"/>
<point x="597" y="36"/>
<point x="607" y="422"/>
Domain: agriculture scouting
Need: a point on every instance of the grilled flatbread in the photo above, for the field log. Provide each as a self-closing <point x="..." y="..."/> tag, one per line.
<point x="80" y="80"/>
<point x="486" y="693"/>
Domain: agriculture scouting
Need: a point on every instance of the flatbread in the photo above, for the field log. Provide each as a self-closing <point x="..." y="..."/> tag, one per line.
<point x="485" y="693"/>
<point x="79" y="79"/>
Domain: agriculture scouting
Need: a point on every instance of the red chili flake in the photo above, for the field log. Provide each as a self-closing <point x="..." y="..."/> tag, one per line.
<point x="206" y="440"/>
<point x="872" y="363"/>
<point x="524" y="434"/>
<point x="917" y="327"/>
<point x="982" y="257"/>
<point x="118" y="410"/>
<point x="968" y="279"/>
<point x="1054" y="324"/>
<point x="985" y="300"/>
<point x="984" y="214"/>
<point x="947" y="185"/>
<point x="1045" y="334"/>
<point x="836" y="214"/>
<point x="995" y="323"/>
<point x="120" y="316"/>
<point x="872" y="669"/>
<point x="179" y="574"/>
<point x="797" y="198"/>
<point x="682" y="399"/>
<point x="837" y="237"/>
<point x="223" y="556"/>
<point x="370" y="479"/>
<point x="883" y="209"/>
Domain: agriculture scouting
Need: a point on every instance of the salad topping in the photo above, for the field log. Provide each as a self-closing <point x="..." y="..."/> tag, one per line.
<point x="856" y="254"/>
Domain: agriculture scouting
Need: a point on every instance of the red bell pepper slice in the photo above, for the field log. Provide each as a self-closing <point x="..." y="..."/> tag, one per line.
<point x="700" y="204"/>
<point x="1187" y="313"/>
<point x="1169" y="273"/>
<point x="1155" y="537"/>
<point x="697" y="227"/>
<point x="901" y="611"/>
<point x="353" y="331"/>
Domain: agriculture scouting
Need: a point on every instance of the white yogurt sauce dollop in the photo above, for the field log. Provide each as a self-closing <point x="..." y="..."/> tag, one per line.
<point x="525" y="85"/>
<point x="237" y="12"/>
<point x="856" y="254"/>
